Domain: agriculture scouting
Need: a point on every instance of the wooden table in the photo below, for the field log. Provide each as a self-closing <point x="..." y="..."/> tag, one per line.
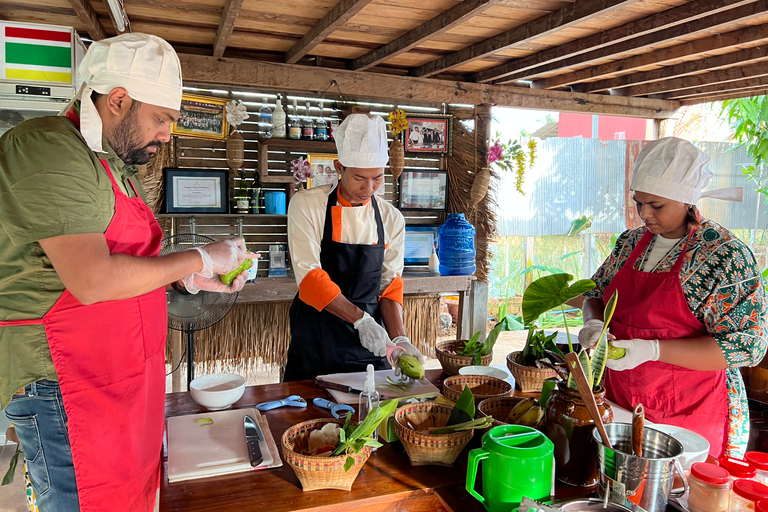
<point x="387" y="481"/>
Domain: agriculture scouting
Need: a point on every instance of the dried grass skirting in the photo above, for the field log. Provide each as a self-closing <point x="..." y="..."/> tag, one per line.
<point x="253" y="334"/>
<point x="462" y="167"/>
<point x="152" y="181"/>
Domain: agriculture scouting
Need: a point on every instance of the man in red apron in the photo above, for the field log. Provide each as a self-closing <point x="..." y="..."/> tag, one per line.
<point x="86" y="375"/>
<point x="691" y="304"/>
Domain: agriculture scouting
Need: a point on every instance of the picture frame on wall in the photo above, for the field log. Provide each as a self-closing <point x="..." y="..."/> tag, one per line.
<point x="421" y="190"/>
<point x="322" y="169"/>
<point x="202" y="117"/>
<point x="196" y="190"/>
<point x="429" y="133"/>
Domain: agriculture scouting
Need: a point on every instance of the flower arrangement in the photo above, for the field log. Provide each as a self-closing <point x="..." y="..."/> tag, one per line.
<point x="397" y="122"/>
<point x="236" y="112"/>
<point x="511" y="157"/>
<point x="301" y="169"/>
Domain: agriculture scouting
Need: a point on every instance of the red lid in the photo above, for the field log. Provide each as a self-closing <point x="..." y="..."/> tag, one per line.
<point x="758" y="459"/>
<point x="761" y="506"/>
<point x="750" y="490"/>
<point x="738" y="468"/>
<point x="710" y="473"/>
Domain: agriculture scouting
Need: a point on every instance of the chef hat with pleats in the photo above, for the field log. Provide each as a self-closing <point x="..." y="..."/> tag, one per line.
<point x="676" y="169"/>
<point x="144" y="65"/>
<point x="361" y="141"/>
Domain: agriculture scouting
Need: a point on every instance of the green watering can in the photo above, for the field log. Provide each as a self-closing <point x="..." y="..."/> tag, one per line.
<point x="517" y="462"/>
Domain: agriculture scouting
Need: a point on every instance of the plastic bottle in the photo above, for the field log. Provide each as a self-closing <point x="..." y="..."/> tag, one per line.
<point x="369" y="398"/>
<point x="745" y="494"/>
<point x="760" y="461"/>
<point x="307" y="126"/>
<point x="434" y="262"/>
<point x="294" y="131"/>
<point x="738" y="468"/>
<point x="253" y="202"/>
<point x="456" y="238"/>
<point x="321" y="127"/>
<point x="265" y="118"/>
<point x="278" y="121"/>
<point x="709" y="488"/>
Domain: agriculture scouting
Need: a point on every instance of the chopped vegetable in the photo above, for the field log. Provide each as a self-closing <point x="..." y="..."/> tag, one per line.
<point x="484" y="422"/>
<point x="204" y="421"/>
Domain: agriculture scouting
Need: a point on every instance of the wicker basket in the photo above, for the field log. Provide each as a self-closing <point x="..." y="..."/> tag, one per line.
<point x="319" y="472"/>
<point x="482" y="386"/>
<point x="423" y="448"/>
<point x="452" y="362"/>
<point x="498" y="408"/>
<point x="528" y="378"/>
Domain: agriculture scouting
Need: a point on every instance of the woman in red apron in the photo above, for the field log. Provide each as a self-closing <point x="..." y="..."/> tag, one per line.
<point x="691" y="304"/>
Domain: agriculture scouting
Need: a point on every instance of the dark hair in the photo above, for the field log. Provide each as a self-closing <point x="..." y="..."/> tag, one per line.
<point x="96" y="95"/>
<point x="692" y="217"/>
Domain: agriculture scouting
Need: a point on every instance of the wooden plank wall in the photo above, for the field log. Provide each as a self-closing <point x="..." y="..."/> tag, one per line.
<point x="261" y="230"/>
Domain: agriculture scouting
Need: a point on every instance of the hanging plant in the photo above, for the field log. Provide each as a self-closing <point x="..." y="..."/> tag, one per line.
<point x="511" y="157"/>
<point x="236" y="114"/>
<point x="301" y="169"/>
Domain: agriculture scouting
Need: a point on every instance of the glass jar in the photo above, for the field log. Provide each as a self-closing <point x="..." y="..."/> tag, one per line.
<point x="760" y="461"/>
<point x="569" y="425"/>
<point x="745" y="494"/>
<point x="738" y="468"/>
<point x="709" y="488"/>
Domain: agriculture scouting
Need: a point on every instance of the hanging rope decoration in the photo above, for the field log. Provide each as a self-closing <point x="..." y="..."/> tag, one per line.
<point x="397" y="124"/>
<point x="236" y="114"/>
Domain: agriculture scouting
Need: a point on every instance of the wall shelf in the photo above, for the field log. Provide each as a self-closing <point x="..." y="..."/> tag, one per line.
<point x="309" y="146"/>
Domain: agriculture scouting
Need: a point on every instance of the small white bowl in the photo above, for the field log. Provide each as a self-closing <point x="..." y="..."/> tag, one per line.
<point x="695" y="446"/>
<point x="217" y="391"/>
<point x="484" y="370"/>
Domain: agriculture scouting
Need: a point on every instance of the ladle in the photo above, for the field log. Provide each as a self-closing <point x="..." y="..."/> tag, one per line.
<point x="585" y="390"/>
<point x="638" y="424"/>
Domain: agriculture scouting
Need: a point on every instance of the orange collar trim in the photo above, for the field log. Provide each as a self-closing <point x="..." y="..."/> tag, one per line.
<point x="343" y="202"/>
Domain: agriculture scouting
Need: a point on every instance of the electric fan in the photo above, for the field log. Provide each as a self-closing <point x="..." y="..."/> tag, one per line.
<point x="190" y="313"/>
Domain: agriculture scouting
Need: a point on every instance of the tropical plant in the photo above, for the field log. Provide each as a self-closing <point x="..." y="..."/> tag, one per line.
<point x="352" y="440"/>
<point x="512" y="157"/>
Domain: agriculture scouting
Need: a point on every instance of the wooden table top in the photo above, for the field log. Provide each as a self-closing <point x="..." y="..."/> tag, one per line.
<point x="386" y="478"/>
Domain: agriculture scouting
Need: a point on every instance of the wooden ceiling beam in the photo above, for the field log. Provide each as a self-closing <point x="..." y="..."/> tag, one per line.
<point x="577" y="12"/>
<point x="226" y="25"/>
<point x="725" y="96"/>
<point x="701" y="80"/>
<point x="702" y="27"/>
<point x="335" y="18"/>
<point x="757" y="82"/>
<point x="684" y="13"/>
<point x="201" y="69"/>
<point x="88" y="17"/>
<point x="454" y="16"/>
<point x="740" y="58"/>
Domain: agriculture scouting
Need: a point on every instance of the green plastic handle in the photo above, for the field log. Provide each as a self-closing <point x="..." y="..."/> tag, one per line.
<point x="475" y="456"/>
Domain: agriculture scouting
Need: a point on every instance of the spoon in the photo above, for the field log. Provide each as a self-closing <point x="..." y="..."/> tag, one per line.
<point x="585" y="390"/>
<point x="638" y="425"/>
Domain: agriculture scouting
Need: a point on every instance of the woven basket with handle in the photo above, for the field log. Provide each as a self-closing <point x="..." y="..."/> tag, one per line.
<point x="528" y="378"/>
<point x="451" y="362"/>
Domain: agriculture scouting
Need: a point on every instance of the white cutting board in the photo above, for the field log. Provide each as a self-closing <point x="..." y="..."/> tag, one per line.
<point x="357" y="381"/>
<point x="199" y="451"/>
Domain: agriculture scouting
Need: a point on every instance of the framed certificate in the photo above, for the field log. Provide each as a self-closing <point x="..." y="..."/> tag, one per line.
<point x="423" y="190"/>
<point x="196" y="191"/>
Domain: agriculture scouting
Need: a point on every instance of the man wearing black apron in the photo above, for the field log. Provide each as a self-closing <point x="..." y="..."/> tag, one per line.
<point x="346" y="247"/>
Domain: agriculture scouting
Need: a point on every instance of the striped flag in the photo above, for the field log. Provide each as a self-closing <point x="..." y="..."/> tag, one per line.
<point x="41" y="54"/>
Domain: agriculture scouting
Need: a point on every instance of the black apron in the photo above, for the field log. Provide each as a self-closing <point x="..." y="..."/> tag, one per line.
<point x="322" y="343"/>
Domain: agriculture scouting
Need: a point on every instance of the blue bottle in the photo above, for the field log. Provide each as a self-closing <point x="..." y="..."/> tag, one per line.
<point x="457" y="246"/>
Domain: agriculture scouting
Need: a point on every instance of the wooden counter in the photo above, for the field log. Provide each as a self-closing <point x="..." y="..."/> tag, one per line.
<point x="387" y="481"/>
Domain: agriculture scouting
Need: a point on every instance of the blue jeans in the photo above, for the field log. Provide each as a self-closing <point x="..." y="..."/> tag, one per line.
<point x="41" y="424"/>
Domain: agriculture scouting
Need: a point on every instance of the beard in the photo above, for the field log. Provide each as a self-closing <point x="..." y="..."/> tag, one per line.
<point x="127" y="143"/>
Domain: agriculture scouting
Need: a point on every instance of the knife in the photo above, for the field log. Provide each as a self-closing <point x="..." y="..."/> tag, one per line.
<point x="253" y="436"/>
<point x="321" y="383"/>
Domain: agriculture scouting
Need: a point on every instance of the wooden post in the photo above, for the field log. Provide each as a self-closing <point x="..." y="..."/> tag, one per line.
<point x="478" y="321"/>
<point x="463" y="323"/>
<point x="483" y="130"/>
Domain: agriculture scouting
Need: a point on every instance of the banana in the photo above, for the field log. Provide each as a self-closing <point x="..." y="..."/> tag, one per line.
<point x="519" y="409"/>
<point x="532" y="417"/>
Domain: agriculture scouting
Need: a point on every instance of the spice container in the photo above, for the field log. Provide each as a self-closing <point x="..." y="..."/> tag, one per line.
<point x="760" y="461"/>
<point x="745" y="494"/>
<point x="738" y="468"/>
<point x="709" y="488"/>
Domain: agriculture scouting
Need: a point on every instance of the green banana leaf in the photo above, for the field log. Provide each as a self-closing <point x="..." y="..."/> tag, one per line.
<point x="464" y="410"/>
<point x="549" y="292"/>
<point x="579" y="225"/>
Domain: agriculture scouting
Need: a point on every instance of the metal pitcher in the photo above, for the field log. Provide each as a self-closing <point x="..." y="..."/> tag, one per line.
<point x="642" y="481"/>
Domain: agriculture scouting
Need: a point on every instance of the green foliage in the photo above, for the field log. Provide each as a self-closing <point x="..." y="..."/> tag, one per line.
<point x="748" y="119"/>
<point x="464" y="410"/>
<point x="536" y="346"/>
<point x="550" y="292"/>
<point x="352" y="441"/>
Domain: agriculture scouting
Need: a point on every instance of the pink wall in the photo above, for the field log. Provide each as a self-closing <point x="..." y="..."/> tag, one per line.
<point x="608" y="127"/>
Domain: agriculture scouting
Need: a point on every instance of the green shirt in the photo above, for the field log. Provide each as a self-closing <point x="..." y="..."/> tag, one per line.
<point x="51" y="184"/>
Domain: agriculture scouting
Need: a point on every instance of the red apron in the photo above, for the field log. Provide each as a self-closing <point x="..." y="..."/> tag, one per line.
<point x="652" y="306"/>
<point x="110" y="361"/>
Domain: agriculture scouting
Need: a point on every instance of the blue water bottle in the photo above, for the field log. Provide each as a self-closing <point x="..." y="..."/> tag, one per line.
<point x="457" y="246"/>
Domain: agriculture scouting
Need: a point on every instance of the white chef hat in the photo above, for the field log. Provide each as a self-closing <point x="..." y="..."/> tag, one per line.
<point x="675" y="169"/>
<point x="144" y="65"/>
<point x="361" y="141"/>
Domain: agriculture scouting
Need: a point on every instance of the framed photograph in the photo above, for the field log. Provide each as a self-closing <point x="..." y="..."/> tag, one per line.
<point x="429" y="134"/>
<point x="196" y="190"/>
<point x="323" y="170"/>
<point x="202" y="117"/>
<point x="419" y="241"/>
<point x="423" y="190"/>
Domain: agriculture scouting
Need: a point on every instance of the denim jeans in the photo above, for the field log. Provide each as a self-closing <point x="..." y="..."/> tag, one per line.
<point x="41" y="424"/>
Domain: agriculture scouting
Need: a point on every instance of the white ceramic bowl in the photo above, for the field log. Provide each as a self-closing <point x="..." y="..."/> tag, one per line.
<point x="484" y="370"/>
<point x="695" y="446"/>
<point x="217" y="391"/>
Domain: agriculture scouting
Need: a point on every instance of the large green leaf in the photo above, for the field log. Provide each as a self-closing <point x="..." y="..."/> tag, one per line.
<point x="579" y="225"/>
<point x="464" y="410"/>
<point x="549" y="292"/>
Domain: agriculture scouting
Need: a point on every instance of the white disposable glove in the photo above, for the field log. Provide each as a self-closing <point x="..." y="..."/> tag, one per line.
<point x="195" y="282"/>
<point x="372" y="335"/>
<point x="589" y="335"/>
<point x="638" y="352"/>
<point x="404" y="343"/>
<point x="222" y="257"/>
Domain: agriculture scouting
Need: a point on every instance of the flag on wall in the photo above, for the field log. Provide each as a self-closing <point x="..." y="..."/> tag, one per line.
<point x="37" y="54"/>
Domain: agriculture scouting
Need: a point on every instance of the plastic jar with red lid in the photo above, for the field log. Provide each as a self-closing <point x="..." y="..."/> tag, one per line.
<point x="761" y="506"/>
<point x="738" y="468"/>
<point x="745" y="494"/>
<point x="709" y="488"/>
<point x="760" y="461"/>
